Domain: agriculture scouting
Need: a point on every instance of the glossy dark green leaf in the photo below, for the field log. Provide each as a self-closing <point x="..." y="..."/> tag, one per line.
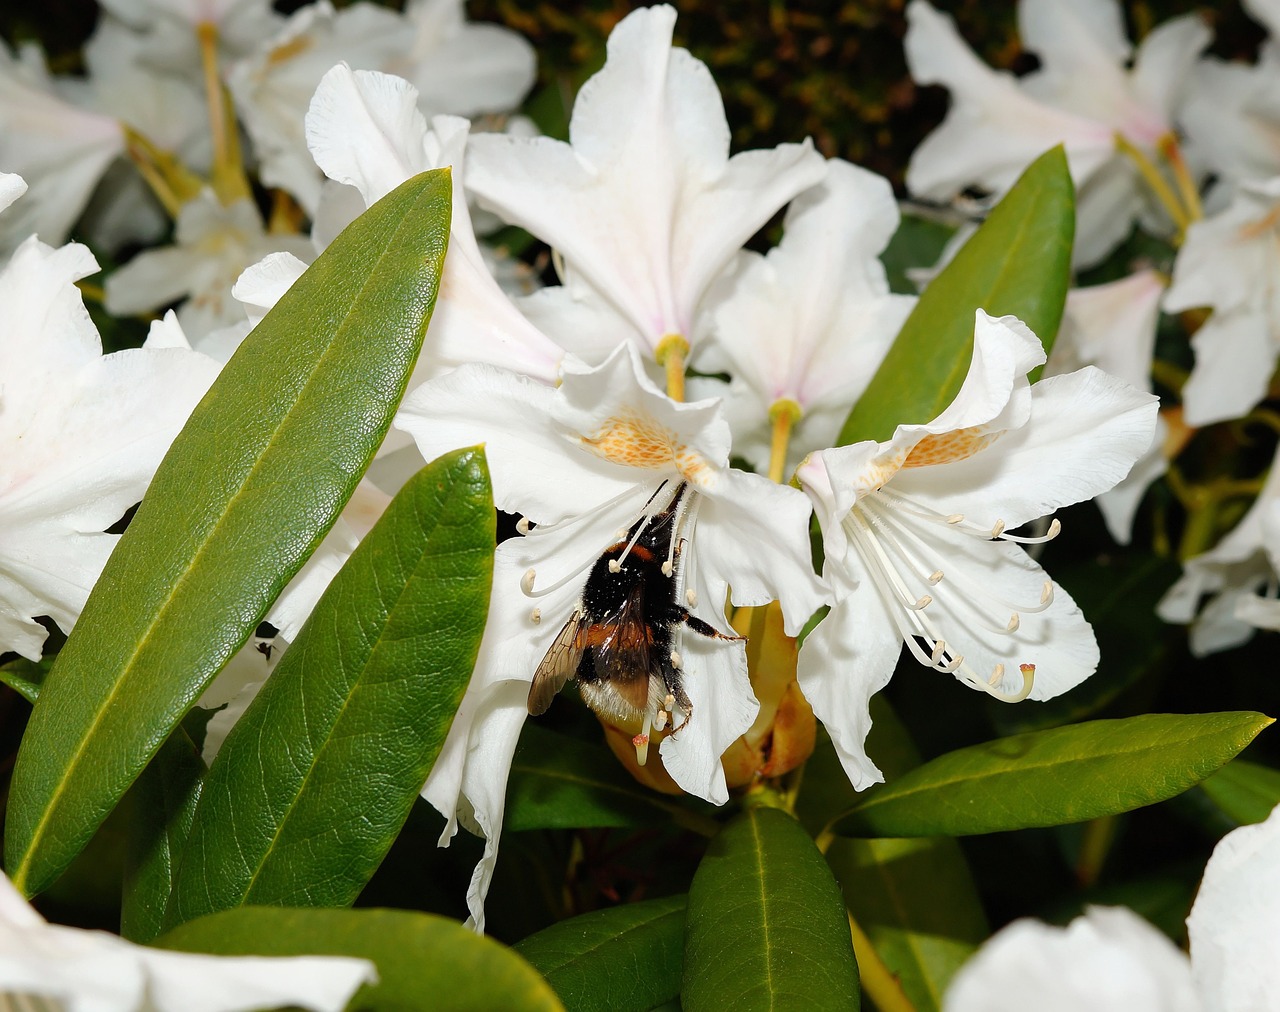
<point x="25" y="677"/>
<point x="766" y="926"/>
<point x="424" y="961"/>
<point x="1050" y="778"/>
<point x="161" y="805"/>
<point x="560" y="782"/>
<point x="1018" y="262"/>
<point x="623" y="958"/>
<point x="918" y="243"/>
<point x="315" y="780"/>
<point x="1243" y="791"/>
<point x="252" y="483"/>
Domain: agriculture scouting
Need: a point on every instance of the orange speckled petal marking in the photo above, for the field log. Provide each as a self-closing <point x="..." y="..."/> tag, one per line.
<point x="949" y="446"/>
<point x="638" y="441"/>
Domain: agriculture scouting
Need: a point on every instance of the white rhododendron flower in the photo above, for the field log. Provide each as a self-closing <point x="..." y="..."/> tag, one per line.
<point x="1082" y="96"/>
<point x="214" y="245"/>
<point x="1113" y="326"/>
<point x="81" y="434"/>
<point x="644" y="205"/>
<point x="1111" y="960"/>
<point x="455" y="67"/>
<point x="804" y="328"/>
<point x="95" y="971"/>
<point x="173" y="27"/>
<point x="1231" y="263"/>
<point x="585" y="462"/>
<point x="61" y="150"/>
<point x="917" y="549"/>
<point x="364" y="130"/>
<point x="1231" y="573"/>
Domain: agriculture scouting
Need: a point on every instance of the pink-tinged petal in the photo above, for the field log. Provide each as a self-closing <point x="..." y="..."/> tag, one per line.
<point x="1082" y="50"/>
<point x="1226" y="116"/>
<point x="1109" y="960"/>
<point x="61" y="150"/>
<point x="1085" y="432"/>
<point x="643" y="203"/>
<point x="1235" y="356"/>
<point x="538" y="468"/>
<point x="1106" y="205"/>
<point x="845" y="661"/>
<point x="992" y="130"/>
<point x="1112" y="326"/>
<point x="1235" y="921"/>
<point x="753" y="538"/>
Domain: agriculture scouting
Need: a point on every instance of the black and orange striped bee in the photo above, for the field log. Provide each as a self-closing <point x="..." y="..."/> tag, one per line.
<point x="619" y="643"/>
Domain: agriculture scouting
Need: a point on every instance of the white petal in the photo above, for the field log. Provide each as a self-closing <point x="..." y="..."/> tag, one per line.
<point x="1109" y="959"/>
<point x="1084" y="434"/>
<point x="1235" y="356"/>
<point x="1235" y="921"/>
<point x="723" y="709"/>
<point x="644" y="203"/>
<point x="992" y="130"/>
<point x="12" y="186"/>
<point x="846" y="660"/>
<point x="1112" y="326"/>
<point x="263" y="284"/>
<point x="538" y="469"/>
<point x="1259" y="612"/>
<point x="1219" y="625"/>
<point x="1163" y="67"/>
<point x="749" y="510"/>
<point x="1120" y="505"/>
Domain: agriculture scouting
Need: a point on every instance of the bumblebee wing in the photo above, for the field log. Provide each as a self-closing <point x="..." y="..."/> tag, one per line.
<point x="558" y="665"/>
<point x="621" y="648"/>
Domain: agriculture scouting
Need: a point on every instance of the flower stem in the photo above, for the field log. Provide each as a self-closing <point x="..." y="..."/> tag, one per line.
<point x="783" y="416"/>
<point x="878" y="982"/>
<point x="227" y="176"/>
<point x="1187" y="188"/>
<point x="1159" y="185"/>
<point x="670" y="354"/>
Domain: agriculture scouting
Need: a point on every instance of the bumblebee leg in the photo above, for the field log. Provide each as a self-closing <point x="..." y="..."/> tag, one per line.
<point x="680" y="614"/>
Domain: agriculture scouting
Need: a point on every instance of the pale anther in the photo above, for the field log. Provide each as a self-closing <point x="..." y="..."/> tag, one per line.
<point x="522" y="525"/>
<point x="956" y="518"/>
<point x="939" y="649"/>
<point x="997" y="673"/>
<point x="660" y="721"/>
<point x="924" y="602"/>
<point x="1046" y="595"/>
<point x="676" y="660"/>
<point x="691" y="597"/>
<point x="956" y="661"/>
<point x="935" y="577"/>
<point x="667" y="568"/>
<point x="997" y="529"/>
<point x="615" y="566"/>
<point x="1055" y="526"/>
<point x="668" y="702"/>
<point x="535" y="616"/>
<point x="1014" y="622"/>
<point x="526" y="581"/>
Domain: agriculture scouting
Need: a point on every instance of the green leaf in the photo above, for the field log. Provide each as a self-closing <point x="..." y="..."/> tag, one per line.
<point x="161" y="805"/>
<point x="424" y="961"/>
<point x="1245" y="792"/>
<point x="25" y="677"/>
<point x="915" y="899"/>
<point x="1054" y="777"/>
<point x="918" y="242"/>
<point x="560" y="782"/>
<point x="1018" y="262"/>
<point x="317" y="777"/>
<point x="766" y="925"/>
<point x="251" y="485"/>
<point x="622" y="958"/>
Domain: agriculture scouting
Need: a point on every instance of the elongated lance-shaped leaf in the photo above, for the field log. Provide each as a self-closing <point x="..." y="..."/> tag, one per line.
<point x="766" y="926"/>
<point x="1244" y="792"/>
<point x="1018" y="263"/>
<point x="252" y="483"/>
<point x="316" y="778"/>
<point x="1051" y="778"/>
<point x="423" y="961"/>
<point x="625" y="958"/>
